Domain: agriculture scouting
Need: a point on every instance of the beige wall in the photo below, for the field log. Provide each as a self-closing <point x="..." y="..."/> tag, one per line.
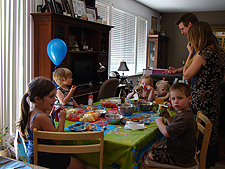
<point x="177" y="51"/>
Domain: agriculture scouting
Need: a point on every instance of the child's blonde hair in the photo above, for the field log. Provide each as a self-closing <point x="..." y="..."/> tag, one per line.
<point x="150" y="81"/>
<point x="61" y="73"/>
<point x="162" y="82"/>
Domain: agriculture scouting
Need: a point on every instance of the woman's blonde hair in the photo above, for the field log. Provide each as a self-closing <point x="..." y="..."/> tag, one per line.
<point x="61" y="73"/>
<point x="200" y="36"/>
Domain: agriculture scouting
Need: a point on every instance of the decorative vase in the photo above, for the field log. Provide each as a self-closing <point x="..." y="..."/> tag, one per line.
<point x="4" y="151"/>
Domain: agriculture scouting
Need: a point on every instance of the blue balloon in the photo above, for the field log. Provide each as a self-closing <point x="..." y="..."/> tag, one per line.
<point x="56" y="50"/>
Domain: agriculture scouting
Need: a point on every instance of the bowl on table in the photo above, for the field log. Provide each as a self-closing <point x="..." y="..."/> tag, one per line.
<point x="146" y="106"/>
<point x="126" y="109"/>
<point x="114" y="118"/>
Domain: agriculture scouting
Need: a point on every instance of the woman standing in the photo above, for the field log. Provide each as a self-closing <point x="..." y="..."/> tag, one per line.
<point x="207" y="65"/>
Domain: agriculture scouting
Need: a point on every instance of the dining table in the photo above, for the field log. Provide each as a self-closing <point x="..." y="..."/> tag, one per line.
<point x="123" y="148"/>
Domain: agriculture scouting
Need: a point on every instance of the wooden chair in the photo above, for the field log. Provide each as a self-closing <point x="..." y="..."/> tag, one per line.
<point x="69" y="149"/>
<point x="201" y="158"/>
<point x="108" y="88"/>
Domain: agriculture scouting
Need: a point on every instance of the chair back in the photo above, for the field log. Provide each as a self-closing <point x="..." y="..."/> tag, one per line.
<point x="206" y="131"/>
<point x="108" y="88"/>
<point x="68" y="149"/>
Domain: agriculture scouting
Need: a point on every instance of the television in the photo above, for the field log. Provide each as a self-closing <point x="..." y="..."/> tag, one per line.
<point x="82" y="72"/>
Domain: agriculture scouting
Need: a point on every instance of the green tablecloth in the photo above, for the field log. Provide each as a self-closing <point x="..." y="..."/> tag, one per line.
<point x="122" y="148"/>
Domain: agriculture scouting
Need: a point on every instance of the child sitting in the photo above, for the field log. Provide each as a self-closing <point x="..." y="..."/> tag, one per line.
<point x="41" y="92"/>
<point x="180" y="131"/>
<point x="162" y="87"/>
<point x="146" y="91"/>
<point x="63" y="78"/>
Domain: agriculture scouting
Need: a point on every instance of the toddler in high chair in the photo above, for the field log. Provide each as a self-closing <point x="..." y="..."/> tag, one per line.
<point x="162" y="88"/>
<point x="145" y="90"/>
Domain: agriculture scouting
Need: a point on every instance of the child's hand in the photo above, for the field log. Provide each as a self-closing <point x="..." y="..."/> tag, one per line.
<point x="166" y="114"/>
<point x="62" y="114"/>
<point x="73" y="88"/>
<point x="159" y="119"/>
<point x="167" y="95"/>
<point x="80" y="105"/>
<point x="148" y="87"/>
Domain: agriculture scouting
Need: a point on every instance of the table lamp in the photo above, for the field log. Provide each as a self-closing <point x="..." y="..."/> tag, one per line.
<point x="123" y="67"/>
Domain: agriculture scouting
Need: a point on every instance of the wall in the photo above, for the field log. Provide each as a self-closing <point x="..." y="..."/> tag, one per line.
<point x="177" y="51"/>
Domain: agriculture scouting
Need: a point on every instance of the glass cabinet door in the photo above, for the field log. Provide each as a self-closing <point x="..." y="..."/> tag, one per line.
<point x="152" y="54"/>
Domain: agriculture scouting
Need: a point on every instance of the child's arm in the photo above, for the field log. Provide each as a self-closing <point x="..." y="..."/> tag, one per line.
<point x="64" y="99"/>
<point x="75" y="104"/>
<point x="151" y="95"/>
<point x="131" y="94"/>
<point x="162" y="127"/>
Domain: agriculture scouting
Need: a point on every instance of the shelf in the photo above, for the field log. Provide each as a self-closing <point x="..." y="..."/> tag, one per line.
<point x="85" y="52"/>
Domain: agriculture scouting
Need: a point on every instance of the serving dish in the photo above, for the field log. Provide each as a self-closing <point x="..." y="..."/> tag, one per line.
<point x="126" y="109"/>
<point x="145" y="106"/>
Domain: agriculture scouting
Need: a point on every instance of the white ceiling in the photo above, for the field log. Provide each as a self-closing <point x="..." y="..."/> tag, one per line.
<point x="169" y="6"/>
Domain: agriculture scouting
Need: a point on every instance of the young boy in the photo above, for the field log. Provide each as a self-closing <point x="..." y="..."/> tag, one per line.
<point x="162" y="87"/>
<point x="63" y="78"/>
<point x="180" y="131"/>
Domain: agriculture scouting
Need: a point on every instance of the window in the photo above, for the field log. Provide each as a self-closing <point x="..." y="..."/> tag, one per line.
<point x="141" y="44"/>
<point x="123" y="38"/>
<point x="128" y="38"/>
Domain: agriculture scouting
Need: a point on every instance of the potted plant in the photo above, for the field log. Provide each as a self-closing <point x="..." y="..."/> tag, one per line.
<point x="3" y="148"/>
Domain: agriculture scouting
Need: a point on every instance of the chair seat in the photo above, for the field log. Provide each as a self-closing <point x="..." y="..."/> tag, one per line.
<point x="152" y="164"/>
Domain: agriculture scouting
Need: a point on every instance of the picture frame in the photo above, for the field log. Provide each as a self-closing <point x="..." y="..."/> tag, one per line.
<point x="154" y="24"/>
<point x="79" y="7"/>
<point x="58" y="7"/>
<point x="71" y="8"/>
<point x="49" y="6"/>
<point x="92" y="14"/>
<point x="66" y="7"/>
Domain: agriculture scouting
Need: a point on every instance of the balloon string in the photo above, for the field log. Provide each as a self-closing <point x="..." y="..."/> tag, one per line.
<point x="55" y="67"/>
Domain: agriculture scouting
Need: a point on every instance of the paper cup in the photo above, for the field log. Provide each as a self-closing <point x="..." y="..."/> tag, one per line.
<point x="161" y="109"/>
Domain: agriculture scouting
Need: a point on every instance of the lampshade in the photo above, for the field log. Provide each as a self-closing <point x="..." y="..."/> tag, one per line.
<point x="123" y="66"/>
<point x="101" y="68"/>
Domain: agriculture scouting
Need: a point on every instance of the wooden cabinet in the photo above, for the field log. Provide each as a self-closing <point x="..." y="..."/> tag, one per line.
<point x="48" y="26"/>
<point x="157" y="51"/>
<point x="221" y="42"/>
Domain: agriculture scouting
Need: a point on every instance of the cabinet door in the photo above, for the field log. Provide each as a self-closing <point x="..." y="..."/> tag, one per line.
<point x="152" y="53"/>
<point x="221" y="42"/>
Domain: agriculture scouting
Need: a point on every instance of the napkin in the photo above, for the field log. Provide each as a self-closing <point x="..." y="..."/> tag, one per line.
<point x="130" y="125"/>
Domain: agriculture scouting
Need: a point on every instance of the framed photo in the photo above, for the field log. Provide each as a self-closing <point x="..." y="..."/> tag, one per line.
<point x="91" y="13"/>
<point x="66" y="6"/>
<point x="58" y="7"/>
<point x="79" y="7"/>
<point x="50" y="6"/>
<point x="154" y="24"/>
<point x="71" y="8"/>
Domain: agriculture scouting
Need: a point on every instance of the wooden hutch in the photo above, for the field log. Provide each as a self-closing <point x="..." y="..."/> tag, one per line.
<point x="48" y="26"/>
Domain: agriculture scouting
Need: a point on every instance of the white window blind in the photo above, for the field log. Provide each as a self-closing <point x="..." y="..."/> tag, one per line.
<point x="141" y="44"/>
<point x="123" y="39"/>
<point x="16" y="64"/>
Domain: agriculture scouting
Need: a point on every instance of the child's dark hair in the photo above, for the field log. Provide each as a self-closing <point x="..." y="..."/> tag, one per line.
<point x="40" y="87"/>
<point x="183" y="87"/>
